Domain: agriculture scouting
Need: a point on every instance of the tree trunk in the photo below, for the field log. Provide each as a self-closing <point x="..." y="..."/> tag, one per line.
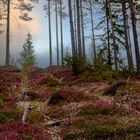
<point x="26" y="109"/>
<point x="61" y="32"/>
<point x="75" y="28"/>
<point x="113" y="36"/>
<point x="8" y="34"/>
<point x="129" y="39"/>
<point x="71" y="28"/>
<point x="133" y="17"/>
<point x="128" y="51"/>
<point x="108" y="37"/>
<point x="82" y="28"/>
<point x="50" y="36"/>
<point x="78" y="28"/>
<point x="92" y="26"/>
<point x="56" y="18"/>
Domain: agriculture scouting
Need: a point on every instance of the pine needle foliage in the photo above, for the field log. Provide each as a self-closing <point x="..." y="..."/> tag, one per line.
<point x="27" y="57"/>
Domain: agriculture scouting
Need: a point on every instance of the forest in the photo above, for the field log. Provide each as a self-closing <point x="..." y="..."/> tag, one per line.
<point x="89" y="86"/>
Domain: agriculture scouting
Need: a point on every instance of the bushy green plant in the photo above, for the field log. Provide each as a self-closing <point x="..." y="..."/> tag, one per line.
<point x="128" y="72"/>
<point x="78" y="65"/>
<point x="67" y="60"/>
<point x="99" y="71"/>
<point x="76" y="62"/>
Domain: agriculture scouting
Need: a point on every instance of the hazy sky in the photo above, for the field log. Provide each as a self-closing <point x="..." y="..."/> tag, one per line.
<point x="38" y="27"/>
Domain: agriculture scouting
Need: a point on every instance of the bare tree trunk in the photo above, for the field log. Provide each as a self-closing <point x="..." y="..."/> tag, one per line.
<point x="92" y="26"/>
<point x="133" y="17"/>
<point x="82" y="28"/>
<point x="129" y="57"/>
<point x="56" y="18"/>
<point x="113" y="36"/>
<point x="71" y="28"/>
<point x="8" y="34"/>
<point x="78" y="28"/>
<point x="75" y="28"/>
<point x="129" y="40"/>
<point x="26" y="109"/>
<point x="50" y="36"/>
<point x="108" y="36"/>
<point x="61" y="32"/>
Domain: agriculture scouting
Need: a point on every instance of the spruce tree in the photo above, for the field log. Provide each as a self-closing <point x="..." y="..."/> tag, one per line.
<point x="27" y="57"/>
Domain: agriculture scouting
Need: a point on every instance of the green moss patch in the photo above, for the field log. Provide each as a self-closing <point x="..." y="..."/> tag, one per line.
<point x="100" y="128"/>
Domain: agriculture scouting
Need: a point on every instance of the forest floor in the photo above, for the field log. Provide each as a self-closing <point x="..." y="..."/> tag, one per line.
<point x="61" y="107"/>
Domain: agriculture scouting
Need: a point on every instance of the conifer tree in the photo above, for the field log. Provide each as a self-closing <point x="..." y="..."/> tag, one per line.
<point x="27" y="57"/>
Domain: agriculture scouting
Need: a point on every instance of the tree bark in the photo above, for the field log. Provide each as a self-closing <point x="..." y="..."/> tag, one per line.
<point x="50" y="36"/>
<point x="113" y="36"/>
<point x="56" y="18"/>
<point x="82" y="28"/>
<point x="128" y="51"/>
<point x="135" y="35"/>
<point x="78" y="28"/>
<point x="75" y="28"/>
<point x="92" y="26"/>
<point x="71" y="28"/>
<point x="26" y="109"/>
<point x="61" y="32"/>
<point x="108" y="36"/>
<point x="8" y="34"/>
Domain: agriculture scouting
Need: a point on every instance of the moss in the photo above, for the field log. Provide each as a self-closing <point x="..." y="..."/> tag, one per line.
<point x="33" y="116"/>
<point x="92" y="129"/>
<point x="101" y="128"/>
<point x="10" y="114"/>
<point x="92" y="110"/>
<point x="99" y="71"/>
<point x="1" y="103"/>
<point x="97" y="76"/>
<point x="53" y="83"/>
<point x="2" y="98"/>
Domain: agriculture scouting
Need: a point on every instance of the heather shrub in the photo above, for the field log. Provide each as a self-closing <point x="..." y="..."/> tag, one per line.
<point x="19" y="131"/>
<point x="70" y="95"/>
<point x="102" y="107"/>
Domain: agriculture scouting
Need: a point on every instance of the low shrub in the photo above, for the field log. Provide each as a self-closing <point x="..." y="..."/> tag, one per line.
<point x="19" y="131"/>
<point x="128" y="73"/>
<point x="101" y="128"/>
<point x="99" y="71"/>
